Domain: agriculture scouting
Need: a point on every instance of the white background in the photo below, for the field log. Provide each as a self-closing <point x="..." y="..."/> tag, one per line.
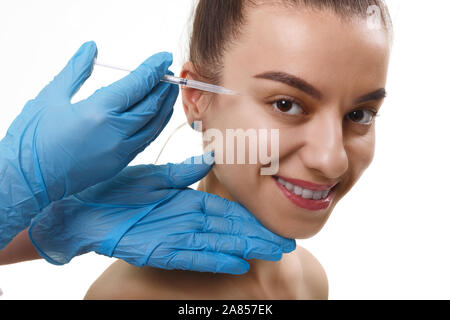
<point x="388" y="239"/>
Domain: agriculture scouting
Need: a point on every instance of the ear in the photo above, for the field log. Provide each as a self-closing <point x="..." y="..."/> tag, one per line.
<point x="193" y="105"/>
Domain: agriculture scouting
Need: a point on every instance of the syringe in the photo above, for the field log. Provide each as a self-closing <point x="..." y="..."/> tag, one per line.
<point x="181" y="81"/>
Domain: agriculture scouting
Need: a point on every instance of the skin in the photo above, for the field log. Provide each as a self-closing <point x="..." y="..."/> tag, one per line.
<point x="18" y="250"/>
<point x="319" y="143"/>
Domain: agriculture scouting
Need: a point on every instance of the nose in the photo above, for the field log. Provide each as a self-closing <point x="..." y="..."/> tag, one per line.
<point x="324" y="149"/>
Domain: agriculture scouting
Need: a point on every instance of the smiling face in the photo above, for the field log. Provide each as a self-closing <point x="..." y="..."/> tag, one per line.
<point x="319" y="80"/>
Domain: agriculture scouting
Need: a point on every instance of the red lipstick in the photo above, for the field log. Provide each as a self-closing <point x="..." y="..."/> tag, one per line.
<point x="309" y="204"/>
<point x="307" y="184"/>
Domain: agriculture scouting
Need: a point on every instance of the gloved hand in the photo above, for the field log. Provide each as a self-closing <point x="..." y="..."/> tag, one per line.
<point x="55" y="148"/>
<point x="147" y="217"/>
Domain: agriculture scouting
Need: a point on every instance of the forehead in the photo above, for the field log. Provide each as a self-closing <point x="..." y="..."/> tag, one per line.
<point x="309" y="42"/>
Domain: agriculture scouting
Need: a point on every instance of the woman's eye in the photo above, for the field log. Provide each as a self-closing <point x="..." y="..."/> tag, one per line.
<point x="362" y="116"/>
<point x="288" y="106"/>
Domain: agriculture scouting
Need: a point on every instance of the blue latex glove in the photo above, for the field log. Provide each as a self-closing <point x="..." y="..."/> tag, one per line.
<point x="147" y="217"/>
<point x="55" y="148"/>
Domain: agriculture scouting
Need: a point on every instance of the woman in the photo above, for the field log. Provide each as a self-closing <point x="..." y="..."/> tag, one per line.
<point x="314" y="70"/>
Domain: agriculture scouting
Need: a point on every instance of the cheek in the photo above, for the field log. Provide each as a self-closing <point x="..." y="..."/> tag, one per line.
<point x="360" y="151"/>
<point x="238" y="183"/>
<point x="240" y="126"/>
<point x="244" y="183"/>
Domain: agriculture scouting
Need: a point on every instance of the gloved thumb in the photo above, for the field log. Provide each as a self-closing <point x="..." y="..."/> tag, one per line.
<point x="74" y="74"/>
<point x="191" y="170"/>
<point x="155" y="177"/>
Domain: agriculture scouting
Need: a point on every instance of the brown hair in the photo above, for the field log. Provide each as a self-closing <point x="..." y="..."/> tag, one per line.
<point x="218" y="23"/>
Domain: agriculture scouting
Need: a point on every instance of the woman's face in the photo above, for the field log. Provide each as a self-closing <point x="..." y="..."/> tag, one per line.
<point x="318" y="80"/>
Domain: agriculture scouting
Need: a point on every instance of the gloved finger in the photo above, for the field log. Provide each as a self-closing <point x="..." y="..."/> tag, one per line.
<point x="126" y="92"/>
<point x="134" y="151"/>
<point x="238" y="227"/>
<point x="146" y="104"/>
<point x="153" y="128"/>
<point x="153" y="177"/>
<point x="74" y="74"/>
<point x="189" y="171"/>
<point x="217" y="206"/>
<point x="241" y="246"/>
<point x="145" y="110"/>
<point x="138" y="116"/>
<point x="155" y="125"/>
<point x="204" y="261"/>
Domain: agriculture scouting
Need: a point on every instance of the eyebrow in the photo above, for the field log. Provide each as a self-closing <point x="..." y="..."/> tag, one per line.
<point x="307" y="88"/>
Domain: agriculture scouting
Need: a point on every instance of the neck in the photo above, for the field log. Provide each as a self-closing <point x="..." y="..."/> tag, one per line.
<point x="261" y="271"/>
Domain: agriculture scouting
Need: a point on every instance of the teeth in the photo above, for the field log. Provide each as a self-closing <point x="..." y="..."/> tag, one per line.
<point x="317" y="195"/>
<point x="304" y="193"/>
<point x="298" y="191"/>
<point x="307" y="194"/>
<point x="289" y="186"/>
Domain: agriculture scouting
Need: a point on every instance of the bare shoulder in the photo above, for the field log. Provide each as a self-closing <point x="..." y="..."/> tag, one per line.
<point x="110" y="285"/>
<point x="122" y="281"/>
<point x="314" y="274"/>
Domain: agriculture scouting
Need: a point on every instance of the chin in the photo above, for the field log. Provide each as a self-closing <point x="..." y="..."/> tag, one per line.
<point x="298" y="230"/>
<point x="290" y="225"/>
<point x="293" y="223"/>
<point x="303" y="233"/>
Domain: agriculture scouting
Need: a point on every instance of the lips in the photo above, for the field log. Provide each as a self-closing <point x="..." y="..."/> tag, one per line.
<point x="305" y="194"/>
<point x="307" y="184"/>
